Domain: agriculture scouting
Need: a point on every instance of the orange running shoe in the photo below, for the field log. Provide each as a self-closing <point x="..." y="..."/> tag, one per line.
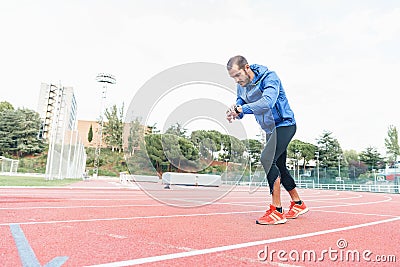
<point x="272" y="217"/>
<point x="295" y="210"/>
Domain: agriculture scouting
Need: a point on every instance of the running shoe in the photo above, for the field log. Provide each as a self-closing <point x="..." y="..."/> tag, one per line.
<point x="295" y="210"/>
<point x="271" y="217"/>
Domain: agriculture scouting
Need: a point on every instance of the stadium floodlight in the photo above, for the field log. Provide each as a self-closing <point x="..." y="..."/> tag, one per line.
<point x="105" y="79"/>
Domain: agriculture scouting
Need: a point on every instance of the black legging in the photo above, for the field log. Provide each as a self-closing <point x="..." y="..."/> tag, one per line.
<point x="273" y="157"/>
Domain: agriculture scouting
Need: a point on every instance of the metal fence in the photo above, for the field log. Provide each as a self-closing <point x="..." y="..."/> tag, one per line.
<point x="380" y="188"/>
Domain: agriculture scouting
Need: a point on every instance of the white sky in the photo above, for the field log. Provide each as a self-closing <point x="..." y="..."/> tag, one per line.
<point x="339" y="61"/>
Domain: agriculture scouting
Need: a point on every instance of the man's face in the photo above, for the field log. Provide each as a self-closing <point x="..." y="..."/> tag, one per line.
<point x="240" y="76"/>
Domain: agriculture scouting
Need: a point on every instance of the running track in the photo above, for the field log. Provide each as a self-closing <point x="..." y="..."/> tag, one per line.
<point x="101" y="223"/>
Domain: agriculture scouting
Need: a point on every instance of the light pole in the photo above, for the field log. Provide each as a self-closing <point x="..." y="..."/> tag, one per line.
<point x="297" y="155"/>
<point x="250" y="168"/>
<point x="317" y="156"/>
<point x="339" y="158"/>
<point x="226" y="168"/>
<point x="104" y="79"/>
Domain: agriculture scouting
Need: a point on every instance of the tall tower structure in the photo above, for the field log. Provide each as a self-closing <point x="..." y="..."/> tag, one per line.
<point x="104" y="79"/>
<point x="66" y="157"/>
<point x="54" y="101"/>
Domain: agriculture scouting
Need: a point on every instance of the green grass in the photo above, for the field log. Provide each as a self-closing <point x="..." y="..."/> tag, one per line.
<point x="33" y="181"/>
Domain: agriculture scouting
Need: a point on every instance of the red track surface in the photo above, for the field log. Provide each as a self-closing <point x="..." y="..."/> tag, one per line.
<point x="97" y="222"/>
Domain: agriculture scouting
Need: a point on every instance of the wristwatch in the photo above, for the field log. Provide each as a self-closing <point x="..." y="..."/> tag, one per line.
<point x="236" y="110"/>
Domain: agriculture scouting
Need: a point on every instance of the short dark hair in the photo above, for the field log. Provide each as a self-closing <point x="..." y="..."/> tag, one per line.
<point x="240" y="61"/>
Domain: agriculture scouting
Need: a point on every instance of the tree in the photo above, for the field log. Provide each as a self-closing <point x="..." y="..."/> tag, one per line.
<point x="153" y="129"/>
<point x="27" y="136"/>
<point x="136" y="136"/>
<point x="301" y="150"/>
<point x="254" y="148"/>
<point x="371" y="157"/>
<point x="356" y="166"/>
<point x="233" y="148"/>
<point x="8" y="137"/>
<point x="4" y="105"/>
<point x="90" y="134"/>
<point x="177" y="130"/>
<point x="392" y="144"/>
<point x="113" y="128"/>
<point x="206" y="142"/>
<point x="181" y="154"/>
<point x="154" y="150"/>
<point x="329" y="150"/>
<point x="18" y="132"/>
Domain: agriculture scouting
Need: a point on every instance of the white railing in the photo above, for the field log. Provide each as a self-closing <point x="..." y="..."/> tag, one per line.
<point x="348" y="187"/>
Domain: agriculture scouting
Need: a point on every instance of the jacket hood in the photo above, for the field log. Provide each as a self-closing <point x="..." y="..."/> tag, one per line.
<point x="259" y="72"/>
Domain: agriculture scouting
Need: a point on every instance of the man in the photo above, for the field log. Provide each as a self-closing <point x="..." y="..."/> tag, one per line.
<point x="260" y="92"/>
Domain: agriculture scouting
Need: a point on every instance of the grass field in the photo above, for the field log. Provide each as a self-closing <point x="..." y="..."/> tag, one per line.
<point x="33" y="181"/>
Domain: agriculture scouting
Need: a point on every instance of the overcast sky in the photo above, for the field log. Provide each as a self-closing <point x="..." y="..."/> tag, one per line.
<point x="339" y="61"/>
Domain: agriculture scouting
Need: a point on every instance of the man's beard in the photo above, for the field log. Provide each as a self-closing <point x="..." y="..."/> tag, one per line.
<point x="247" y="81"/>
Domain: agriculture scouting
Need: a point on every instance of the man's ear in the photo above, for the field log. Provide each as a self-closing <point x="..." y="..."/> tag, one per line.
<point x="247" y="68"/>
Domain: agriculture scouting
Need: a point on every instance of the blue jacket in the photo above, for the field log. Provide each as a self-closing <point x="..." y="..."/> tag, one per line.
<point x="265" y="97"/>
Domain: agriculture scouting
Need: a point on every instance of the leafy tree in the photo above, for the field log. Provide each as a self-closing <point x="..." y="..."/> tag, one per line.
<point x="329" y="150"/>
<point x="206" y="142"/>
<point x="8" y="136"/>
<point x="177" y="130"/>
<point x="392" y="144"/>
<point x="136" y="136"/>
<point x="233" y="148"/>
<point x="27" y="139"/>
<point x="350" y="155"/>
<point x="254" y="147"/>
<point x="18" y="132"/>
<point x="154" y="150"/>
<point x="355" y="165"/>
<point x="153" y="129"/>
<point x="216" y="141"/>
<point x="179" y="152"/>
<point x="371" y="157"/>
<point x="113" y="128"/>
<point x="4" y="105"/>
<point x="301" y="150"/>
<point x="90" y="134"/>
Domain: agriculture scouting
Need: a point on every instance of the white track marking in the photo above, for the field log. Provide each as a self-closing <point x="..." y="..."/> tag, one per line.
<point x="82" y="207"/>
<point x="237" y="246"/>
<point x="356" y="213"/>
<point x="250" y="205"/>
<point x="207" y="203"/>
<point x="179" y="215"/>
<point x="132" y="218"/>
<point x="331" y="199"/>
<point x="388" y="199"/>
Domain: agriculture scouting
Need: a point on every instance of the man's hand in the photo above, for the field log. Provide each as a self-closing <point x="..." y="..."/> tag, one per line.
<point x="232" y="114"/>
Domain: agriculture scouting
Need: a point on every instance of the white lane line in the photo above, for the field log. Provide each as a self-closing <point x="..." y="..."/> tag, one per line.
<point x="255" y="205"/>
<point x="243" y="204"/>
<point x="331" y="199"/>
<point x="133" y="218"/>
<point x="356" y="213"/>
<point x="179" y="215"/>
<point x="189" y="215"/>
<point x="388" y="199"/>
<point x="74" y="199"/>
<point x="82" y="207"/>
<point x="237" y="246"/>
